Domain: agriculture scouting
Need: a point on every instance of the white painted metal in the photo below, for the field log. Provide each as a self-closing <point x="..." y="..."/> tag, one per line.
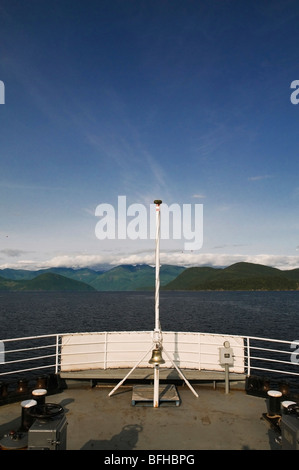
<point x="157" y="270"/>
<point x="157" y="305"/>
<point x="181" y="374"/>
<point x="108" y="350"/>
<point x="82" y="351"/>
<point x="156" y="386"/>
<point x="125" y="378"/>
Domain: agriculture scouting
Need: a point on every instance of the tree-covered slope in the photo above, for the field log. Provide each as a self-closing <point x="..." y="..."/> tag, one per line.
<point x="44" y="282"/>
<point x="239" y="276"/>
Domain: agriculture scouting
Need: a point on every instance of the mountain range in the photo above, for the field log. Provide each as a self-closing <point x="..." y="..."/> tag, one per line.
<point x="119" y="278"/>
<point x="239" y="276"/>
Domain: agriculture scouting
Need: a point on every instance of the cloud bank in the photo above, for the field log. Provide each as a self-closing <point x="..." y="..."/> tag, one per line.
<point x="97" y="262"/>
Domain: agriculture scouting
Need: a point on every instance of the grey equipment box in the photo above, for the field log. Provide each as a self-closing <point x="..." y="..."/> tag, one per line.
<point x="290" y="432"/>
<point x="48" y="434"/>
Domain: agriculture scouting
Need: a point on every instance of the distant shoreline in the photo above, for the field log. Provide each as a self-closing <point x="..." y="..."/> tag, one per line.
<point x="243" y="277"/>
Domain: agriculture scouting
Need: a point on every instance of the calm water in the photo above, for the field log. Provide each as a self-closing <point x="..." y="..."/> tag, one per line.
<point x="265" y="314"/>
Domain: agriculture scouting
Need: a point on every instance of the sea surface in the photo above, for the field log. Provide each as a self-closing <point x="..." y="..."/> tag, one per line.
<point x="263" y="314"/>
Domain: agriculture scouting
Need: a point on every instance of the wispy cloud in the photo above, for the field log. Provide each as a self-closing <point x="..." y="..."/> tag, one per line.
<point x="236" y="245"/>
<point x="178" y="258"/>
<point x="13" y="253"/>
<point x="118" y="140"/>
<point x="35" y="187"/>
<point x="259" y="177"/>
<point x="295" y="193"/>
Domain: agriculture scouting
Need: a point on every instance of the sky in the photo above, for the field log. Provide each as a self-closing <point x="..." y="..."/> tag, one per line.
<point x="109" y="101"/>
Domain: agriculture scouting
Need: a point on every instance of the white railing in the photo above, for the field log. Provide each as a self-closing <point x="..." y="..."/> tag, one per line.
<point x="108" y="350"/>
<point x="282" y="358"/>
<point x="19" y="355"/>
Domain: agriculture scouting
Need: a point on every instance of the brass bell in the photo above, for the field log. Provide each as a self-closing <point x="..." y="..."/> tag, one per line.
<point x="156" y="357"/>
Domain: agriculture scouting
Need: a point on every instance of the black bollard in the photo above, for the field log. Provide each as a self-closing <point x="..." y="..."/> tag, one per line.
<point x="27" y="420"/>
<point x="39" y="395"/>
<point x="274" y="402"/>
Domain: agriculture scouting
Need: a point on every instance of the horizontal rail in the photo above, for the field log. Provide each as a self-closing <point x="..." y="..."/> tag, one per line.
<point x="19" y="371"/>
<point x="102" y="349"/>
<point x="277" y="370"/>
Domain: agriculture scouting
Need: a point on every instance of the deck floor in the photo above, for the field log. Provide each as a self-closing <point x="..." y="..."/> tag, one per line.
<point x="213" y="421"/>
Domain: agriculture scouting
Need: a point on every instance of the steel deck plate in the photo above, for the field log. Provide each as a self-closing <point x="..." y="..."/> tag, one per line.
<point x="144" y="395"/>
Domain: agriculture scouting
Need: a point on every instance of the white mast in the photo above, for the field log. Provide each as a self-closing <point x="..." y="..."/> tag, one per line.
<point x="157" y="300"/>
<point x="156" y="358"/>
<point x="157" y="332"/>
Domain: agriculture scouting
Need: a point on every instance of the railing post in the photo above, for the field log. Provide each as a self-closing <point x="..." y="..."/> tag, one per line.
<point x="57" y="354"/>
<point x="248" y="356"/>
<point x="106" y="348"/>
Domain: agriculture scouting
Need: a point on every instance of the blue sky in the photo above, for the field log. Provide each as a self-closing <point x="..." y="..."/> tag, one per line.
<point x="185" y="101"/>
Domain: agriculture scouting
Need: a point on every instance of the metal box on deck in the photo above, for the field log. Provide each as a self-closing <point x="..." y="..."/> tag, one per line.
<point x="290" y="432"/>
<point x="48" y="434"/>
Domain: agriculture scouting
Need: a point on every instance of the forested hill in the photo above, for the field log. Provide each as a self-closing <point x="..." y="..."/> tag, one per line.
<point x="44" y="282"/>
<point x="239" y="276"/>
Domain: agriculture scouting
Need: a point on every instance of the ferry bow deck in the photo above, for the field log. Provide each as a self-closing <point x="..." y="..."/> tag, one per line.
<point x="100" y="416"/>
<point x="213" y="421"/>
